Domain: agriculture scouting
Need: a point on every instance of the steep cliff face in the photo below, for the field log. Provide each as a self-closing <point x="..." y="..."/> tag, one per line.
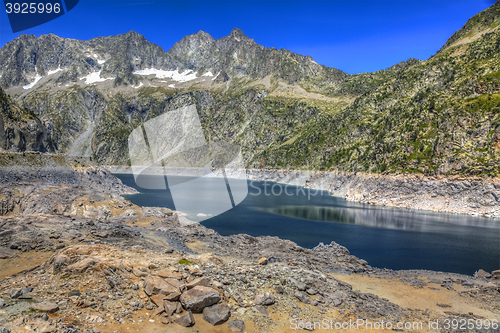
<point x="21" y="130"/>
<point x="439" y="116"/>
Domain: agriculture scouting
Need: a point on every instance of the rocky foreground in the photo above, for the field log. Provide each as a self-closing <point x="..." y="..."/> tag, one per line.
<point x="77" y="257"/>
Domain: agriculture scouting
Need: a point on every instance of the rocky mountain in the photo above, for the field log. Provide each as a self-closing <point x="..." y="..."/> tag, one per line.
<point x="439" y="116"/>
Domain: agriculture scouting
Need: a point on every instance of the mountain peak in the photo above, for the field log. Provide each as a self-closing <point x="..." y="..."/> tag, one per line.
<point x="133" y="34"/>
<point x="237" y="33"/>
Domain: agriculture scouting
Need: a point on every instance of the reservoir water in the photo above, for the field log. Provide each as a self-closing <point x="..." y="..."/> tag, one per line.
<point x="385" y="237"/>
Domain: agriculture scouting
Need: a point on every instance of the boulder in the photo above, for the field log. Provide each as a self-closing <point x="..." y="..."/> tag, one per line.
<point x="198" y="298"/>
<point x="262" y="310"/>
<point x="170" y="307"/>
<point x="158" y="299"/>
<point x="237" y="326"/>
<point x="217" y="314"/>
<point x="482" y="274"/>
<point x="156" y="285"/>
<point x="46" y="307"/>
<point x="263" y="261"/>
<point x="186" y="320"/>
<point x="169" y="273"/>
<point x="203" y="281"/>
<point x="6" y="253"/>
<point x="264" y="299"/>
<point x="495" y="275"/>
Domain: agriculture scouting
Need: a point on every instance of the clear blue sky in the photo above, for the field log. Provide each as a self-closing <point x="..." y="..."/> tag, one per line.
<point x="352" y="35"/>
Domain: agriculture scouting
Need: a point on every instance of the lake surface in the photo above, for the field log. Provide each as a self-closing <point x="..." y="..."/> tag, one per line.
<point x="386" y="237"/>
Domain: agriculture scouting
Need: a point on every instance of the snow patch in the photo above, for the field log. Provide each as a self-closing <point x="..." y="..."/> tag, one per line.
<point x="55" y="71"/>
<point x="171" y="86"/>
<point x="32" y="84"/>
<point x="100" y="62"/>
<point x="208" y="74"/>
<point x="174" y="75"/>
<point x="95" y="77"/>
<point x="137" y="87"/>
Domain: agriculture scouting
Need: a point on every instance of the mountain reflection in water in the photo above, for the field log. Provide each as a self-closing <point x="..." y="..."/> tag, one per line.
<point x="382" y="217"/>
<point x="386" y="237"/>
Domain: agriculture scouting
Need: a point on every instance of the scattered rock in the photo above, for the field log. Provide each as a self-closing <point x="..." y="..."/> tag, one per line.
<point x="262" y="309"/>
<point x="264" y="299"/>
<point x="217" y="314"/>
<point x="6" y="253"/>
<point x="302" y="297"/>
<point x="156" y="285"/>
<point x="263" y="261"/>
<point x="203" y="281"/>
<point x="311" y="291"/>
<point x="15" y="293"/>
<point x="237" y="326"/>
<point x="46" y="307"/>
<point x="198" y="298"/>
<point x="186" y="320"/>
<point x="74" y="293"/>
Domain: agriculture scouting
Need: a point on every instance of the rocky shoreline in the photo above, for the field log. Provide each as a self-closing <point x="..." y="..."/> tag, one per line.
<point x="460" y="195"/>
<point x="77" y="257"/>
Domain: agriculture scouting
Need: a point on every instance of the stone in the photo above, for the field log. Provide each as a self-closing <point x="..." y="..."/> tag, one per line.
<point x="198" y="298"/>
<point x="6" y="253"/>
<point x="217" y="314"/>
<point x="263" y="261"/>
<point x="26" y="290"/>
<point x="302" y="297"/>
<point x="203" y="281"/>
<point x="311" y="291"/>
<point x="169" y="273"/>
<point x="2" y="302"/>
<point x="336" y="301"/>
<point x="280" y="290"/>
<point x="495" y="275"/>
<point x="264" y="299"/>
<point x="140" y="271"/>
<point x="158" y="299"/>
<point x="300" y="286"/>
<point x="46" y="307"/>
<point x="262" y="309"/>
<point x="74" y="293"/>
<point x="176" y="283"/>
<point x="159" y="310"/>
<point x="237" y="326"/>
<point x="482" y="274"/>
<point x="170" y="307"/>
<point x="195" y="271"/>
<point x="156" y="285"/>
<point x="186" y="320"/>
<point x="173" y="297"/>
<point x="15" y="293"/>
<point x="217" y="285"/>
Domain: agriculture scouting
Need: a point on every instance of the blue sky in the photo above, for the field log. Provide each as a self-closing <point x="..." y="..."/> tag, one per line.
<point x="352" y="35"/>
